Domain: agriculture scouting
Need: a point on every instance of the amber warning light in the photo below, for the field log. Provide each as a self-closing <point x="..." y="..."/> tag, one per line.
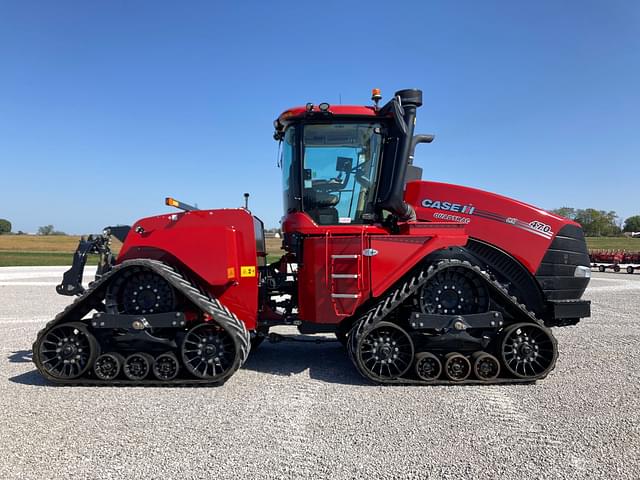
<point x="172" y="202"/>
<point x="376" y="95"/>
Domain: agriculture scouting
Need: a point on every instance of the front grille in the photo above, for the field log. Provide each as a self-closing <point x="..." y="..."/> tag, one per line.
<point x="556" y="272"/>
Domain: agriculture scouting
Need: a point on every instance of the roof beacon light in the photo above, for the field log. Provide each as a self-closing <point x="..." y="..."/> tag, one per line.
<point x="376" y="96"/>
<point x="324" y="107"/>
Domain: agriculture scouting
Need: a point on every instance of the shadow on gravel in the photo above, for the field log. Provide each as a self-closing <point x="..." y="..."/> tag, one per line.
<point x="21" y="356"/>
<point x="32" y="378"/>
<point x="326" y="362"/>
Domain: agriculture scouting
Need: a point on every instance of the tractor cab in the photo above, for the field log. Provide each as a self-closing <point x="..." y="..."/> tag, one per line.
<point x="336" y="172"/>
<point x="345" y="165"/>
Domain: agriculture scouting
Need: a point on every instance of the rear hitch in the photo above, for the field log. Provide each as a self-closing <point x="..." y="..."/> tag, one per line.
<point x="93" y="244"/>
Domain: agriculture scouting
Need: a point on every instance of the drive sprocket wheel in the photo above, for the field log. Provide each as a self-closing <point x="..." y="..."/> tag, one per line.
<point x="454" y="291"/>
<point x="67" y="351"/>
<point x="385" y="352"/>
<point x="528" y="350"/>
<point x="208" y="351"/>
<point x="140" y="291"/>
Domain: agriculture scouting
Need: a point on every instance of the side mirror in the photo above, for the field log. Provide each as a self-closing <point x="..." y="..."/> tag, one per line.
<point x="344" y="164"/>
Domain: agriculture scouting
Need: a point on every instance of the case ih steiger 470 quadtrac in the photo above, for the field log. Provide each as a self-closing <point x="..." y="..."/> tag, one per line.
<point x="423" y="282"/>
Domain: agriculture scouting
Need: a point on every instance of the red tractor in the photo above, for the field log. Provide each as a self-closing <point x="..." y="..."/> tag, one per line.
<point x="424" y="282"/>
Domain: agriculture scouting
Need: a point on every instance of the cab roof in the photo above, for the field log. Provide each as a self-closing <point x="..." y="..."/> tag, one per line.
<point x="356" y="110"/>
<point x="309" y="110"/>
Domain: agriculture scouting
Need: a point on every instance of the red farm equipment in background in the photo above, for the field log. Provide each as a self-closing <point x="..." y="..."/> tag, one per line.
<point x="615" y="260"/>
<point x="423" y="282"/>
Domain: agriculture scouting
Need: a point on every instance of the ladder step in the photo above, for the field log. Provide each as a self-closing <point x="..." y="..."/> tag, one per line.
<point x="344" y="275"/>
<point x="345" y="295"/>
<point x="345" y="256"/>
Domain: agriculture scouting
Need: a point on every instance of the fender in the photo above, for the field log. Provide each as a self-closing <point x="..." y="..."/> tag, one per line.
<point x="218" y="246"/>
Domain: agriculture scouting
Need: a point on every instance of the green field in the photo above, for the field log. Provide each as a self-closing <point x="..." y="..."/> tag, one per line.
<point x="33" y="250"/>
<point x="614" y="243"/>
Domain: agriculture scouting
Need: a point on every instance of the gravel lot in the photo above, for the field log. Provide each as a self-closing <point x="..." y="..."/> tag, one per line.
<point x="301" y="411"/>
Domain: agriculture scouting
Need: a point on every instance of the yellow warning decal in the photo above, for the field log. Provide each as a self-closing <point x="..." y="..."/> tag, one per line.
<point x="231" y="272"/>
<point x="248" y="271"/>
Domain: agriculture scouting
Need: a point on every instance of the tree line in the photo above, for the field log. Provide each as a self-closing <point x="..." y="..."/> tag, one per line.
<point x="599" y="223"/>
<point x="5" y="228"/>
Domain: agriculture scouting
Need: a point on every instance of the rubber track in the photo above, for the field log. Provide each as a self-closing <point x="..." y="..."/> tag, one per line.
<point x="408" y="287"/>
<point x="93" y="296"/>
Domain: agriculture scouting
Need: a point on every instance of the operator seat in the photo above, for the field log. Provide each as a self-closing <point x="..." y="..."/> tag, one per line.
<point x="321" y="206"/>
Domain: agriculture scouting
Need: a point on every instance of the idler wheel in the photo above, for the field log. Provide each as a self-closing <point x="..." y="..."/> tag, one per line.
<point x="457" y="367"/>
<point x="485" y="366"/>
<point x="137" y="366"/>
<point x="166" y="366"/>
<point x="67" y="351"/>
<point x="108" y="366"/>
<point x="208" y="351"/>
<point x="428" y="367"/>
<point x="385" y="352"/>
<point x="528" y="350"/>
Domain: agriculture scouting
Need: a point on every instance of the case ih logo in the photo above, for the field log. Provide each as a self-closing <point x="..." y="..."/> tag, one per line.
<point x="538" y="228"/>
<point x="448" y="206"/>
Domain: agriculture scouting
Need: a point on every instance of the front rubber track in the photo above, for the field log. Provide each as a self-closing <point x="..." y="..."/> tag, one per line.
<point x="409" y="286"/>
<point x="93" y="298"/>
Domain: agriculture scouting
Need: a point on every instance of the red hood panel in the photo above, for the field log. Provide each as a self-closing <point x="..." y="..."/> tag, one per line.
<point x="522" y="230"/>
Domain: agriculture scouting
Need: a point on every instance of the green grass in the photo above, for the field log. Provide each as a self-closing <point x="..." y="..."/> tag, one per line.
<point x="614" y="243"/>
<point x="46" y="259"/>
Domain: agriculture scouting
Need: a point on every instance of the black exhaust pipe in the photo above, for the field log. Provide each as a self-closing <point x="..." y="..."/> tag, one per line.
<point x="409" y="100"/>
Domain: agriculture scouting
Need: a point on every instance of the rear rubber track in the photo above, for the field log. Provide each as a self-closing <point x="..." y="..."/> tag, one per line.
<point x="92" y="299"/>
<point x="408" y="287"/>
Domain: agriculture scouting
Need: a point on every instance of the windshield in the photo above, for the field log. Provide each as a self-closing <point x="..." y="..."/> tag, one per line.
<point x="340" y="165"/>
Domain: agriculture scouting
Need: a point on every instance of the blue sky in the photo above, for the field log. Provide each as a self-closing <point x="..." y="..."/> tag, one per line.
<point x="108" y="107"/>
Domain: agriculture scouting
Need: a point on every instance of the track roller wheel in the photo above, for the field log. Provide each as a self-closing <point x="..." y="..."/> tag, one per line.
<point x="485" y="366"/>
<point x="166" y="366"/>
<point x="384" y="353"/>
<point x="428" y="367"/>
<point x="629" y="269"/>
<point x="528" y="350"/>
<point x="137" y="366"/>
<point x="601" y="268"/>
<point x="66" y="351"/>
<point x="108" y="366"/>
<point x="209" y="352"/>
<point x="457" y="367"/>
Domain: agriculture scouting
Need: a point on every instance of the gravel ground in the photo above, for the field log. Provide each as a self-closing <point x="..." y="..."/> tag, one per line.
<point x="301" y="411"/>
